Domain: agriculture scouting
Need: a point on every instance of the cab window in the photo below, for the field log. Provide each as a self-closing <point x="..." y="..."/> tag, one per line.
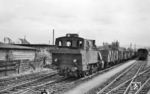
<point x="79" y="43"/>
<point x="68" y="43"/>
<point x="59" y="43"/>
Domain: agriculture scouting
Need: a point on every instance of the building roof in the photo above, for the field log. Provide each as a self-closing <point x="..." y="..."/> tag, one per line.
<point x="1" y="42"/>
<point x="36" y="45"/>
<point x="24" y="41"/>
<point x="16" y="47"/>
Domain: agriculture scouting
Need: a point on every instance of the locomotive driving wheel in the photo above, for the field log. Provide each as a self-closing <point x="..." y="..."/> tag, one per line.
<point x="89" y="69"/>
<point x="86" y="73"/>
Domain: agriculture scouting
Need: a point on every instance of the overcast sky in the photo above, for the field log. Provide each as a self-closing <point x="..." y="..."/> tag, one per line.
<point x="127" y="21"/>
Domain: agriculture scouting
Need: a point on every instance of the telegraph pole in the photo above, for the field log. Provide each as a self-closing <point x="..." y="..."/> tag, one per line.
<point x="53" y="36"/>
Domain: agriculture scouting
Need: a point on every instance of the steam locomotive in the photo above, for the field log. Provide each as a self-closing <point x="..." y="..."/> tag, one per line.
<point x="78" y="57"/>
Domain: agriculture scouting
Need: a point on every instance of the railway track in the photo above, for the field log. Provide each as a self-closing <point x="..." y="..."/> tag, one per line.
<point x="123" y="86"/>
<point x="119" y="80"/>
<point x="145" y="88"/>
<point x="57" y="87"/>
<point x="144" y="66"/>
<point x="8" y="79"/>
<point x="17" y="87"/>
<point x="22" y="78"/>
<point x="142" y="78"/>
<point x="36" y="89"/>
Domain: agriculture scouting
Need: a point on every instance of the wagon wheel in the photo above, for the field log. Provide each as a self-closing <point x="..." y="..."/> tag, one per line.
<point x="99" y="66"/>
<point x="87" y="73"/>
<point x="89" y="70"/>
<point x="80" y="74"/>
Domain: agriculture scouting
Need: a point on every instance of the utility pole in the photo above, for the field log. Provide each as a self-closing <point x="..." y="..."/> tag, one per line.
<point x="135" y="47"/>
<point x="53" y="36"/>
<point x="24" y="37"/>
<point x="49" y="42"/>
<point x="130" y="45"/>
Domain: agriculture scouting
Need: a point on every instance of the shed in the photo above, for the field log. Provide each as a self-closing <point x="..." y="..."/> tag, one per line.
<point x="15" y="59"/>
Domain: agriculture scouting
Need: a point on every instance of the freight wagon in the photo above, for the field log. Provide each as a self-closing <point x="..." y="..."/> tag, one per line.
<point x="142" y="53"/>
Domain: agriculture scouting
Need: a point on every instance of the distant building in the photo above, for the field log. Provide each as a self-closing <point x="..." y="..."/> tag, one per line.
<point x="8" y="40"/>
<point x="1" y="42"/>
<point x="39" y="46"/>
<point x="24" y="41"/>
<point x="43" y="51"/>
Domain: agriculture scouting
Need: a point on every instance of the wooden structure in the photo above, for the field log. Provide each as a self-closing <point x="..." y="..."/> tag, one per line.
<point x="15" y="59"/>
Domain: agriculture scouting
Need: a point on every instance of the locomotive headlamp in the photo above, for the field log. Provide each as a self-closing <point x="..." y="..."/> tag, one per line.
<point x="55" y="59"/>
<point x="74" y="60"/>
<point x="74" y="68"/>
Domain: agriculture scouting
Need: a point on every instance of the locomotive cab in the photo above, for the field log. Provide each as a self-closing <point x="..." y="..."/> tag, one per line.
<point x="70" y="41"/>
<point x="74" y="41"/>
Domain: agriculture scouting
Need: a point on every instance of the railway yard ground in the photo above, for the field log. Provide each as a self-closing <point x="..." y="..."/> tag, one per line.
<point x="27" y="73"/>
<point x="132" y="77"/>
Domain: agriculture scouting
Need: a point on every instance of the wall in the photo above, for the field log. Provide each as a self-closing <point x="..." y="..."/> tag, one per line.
<point x="16" y="61"/>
